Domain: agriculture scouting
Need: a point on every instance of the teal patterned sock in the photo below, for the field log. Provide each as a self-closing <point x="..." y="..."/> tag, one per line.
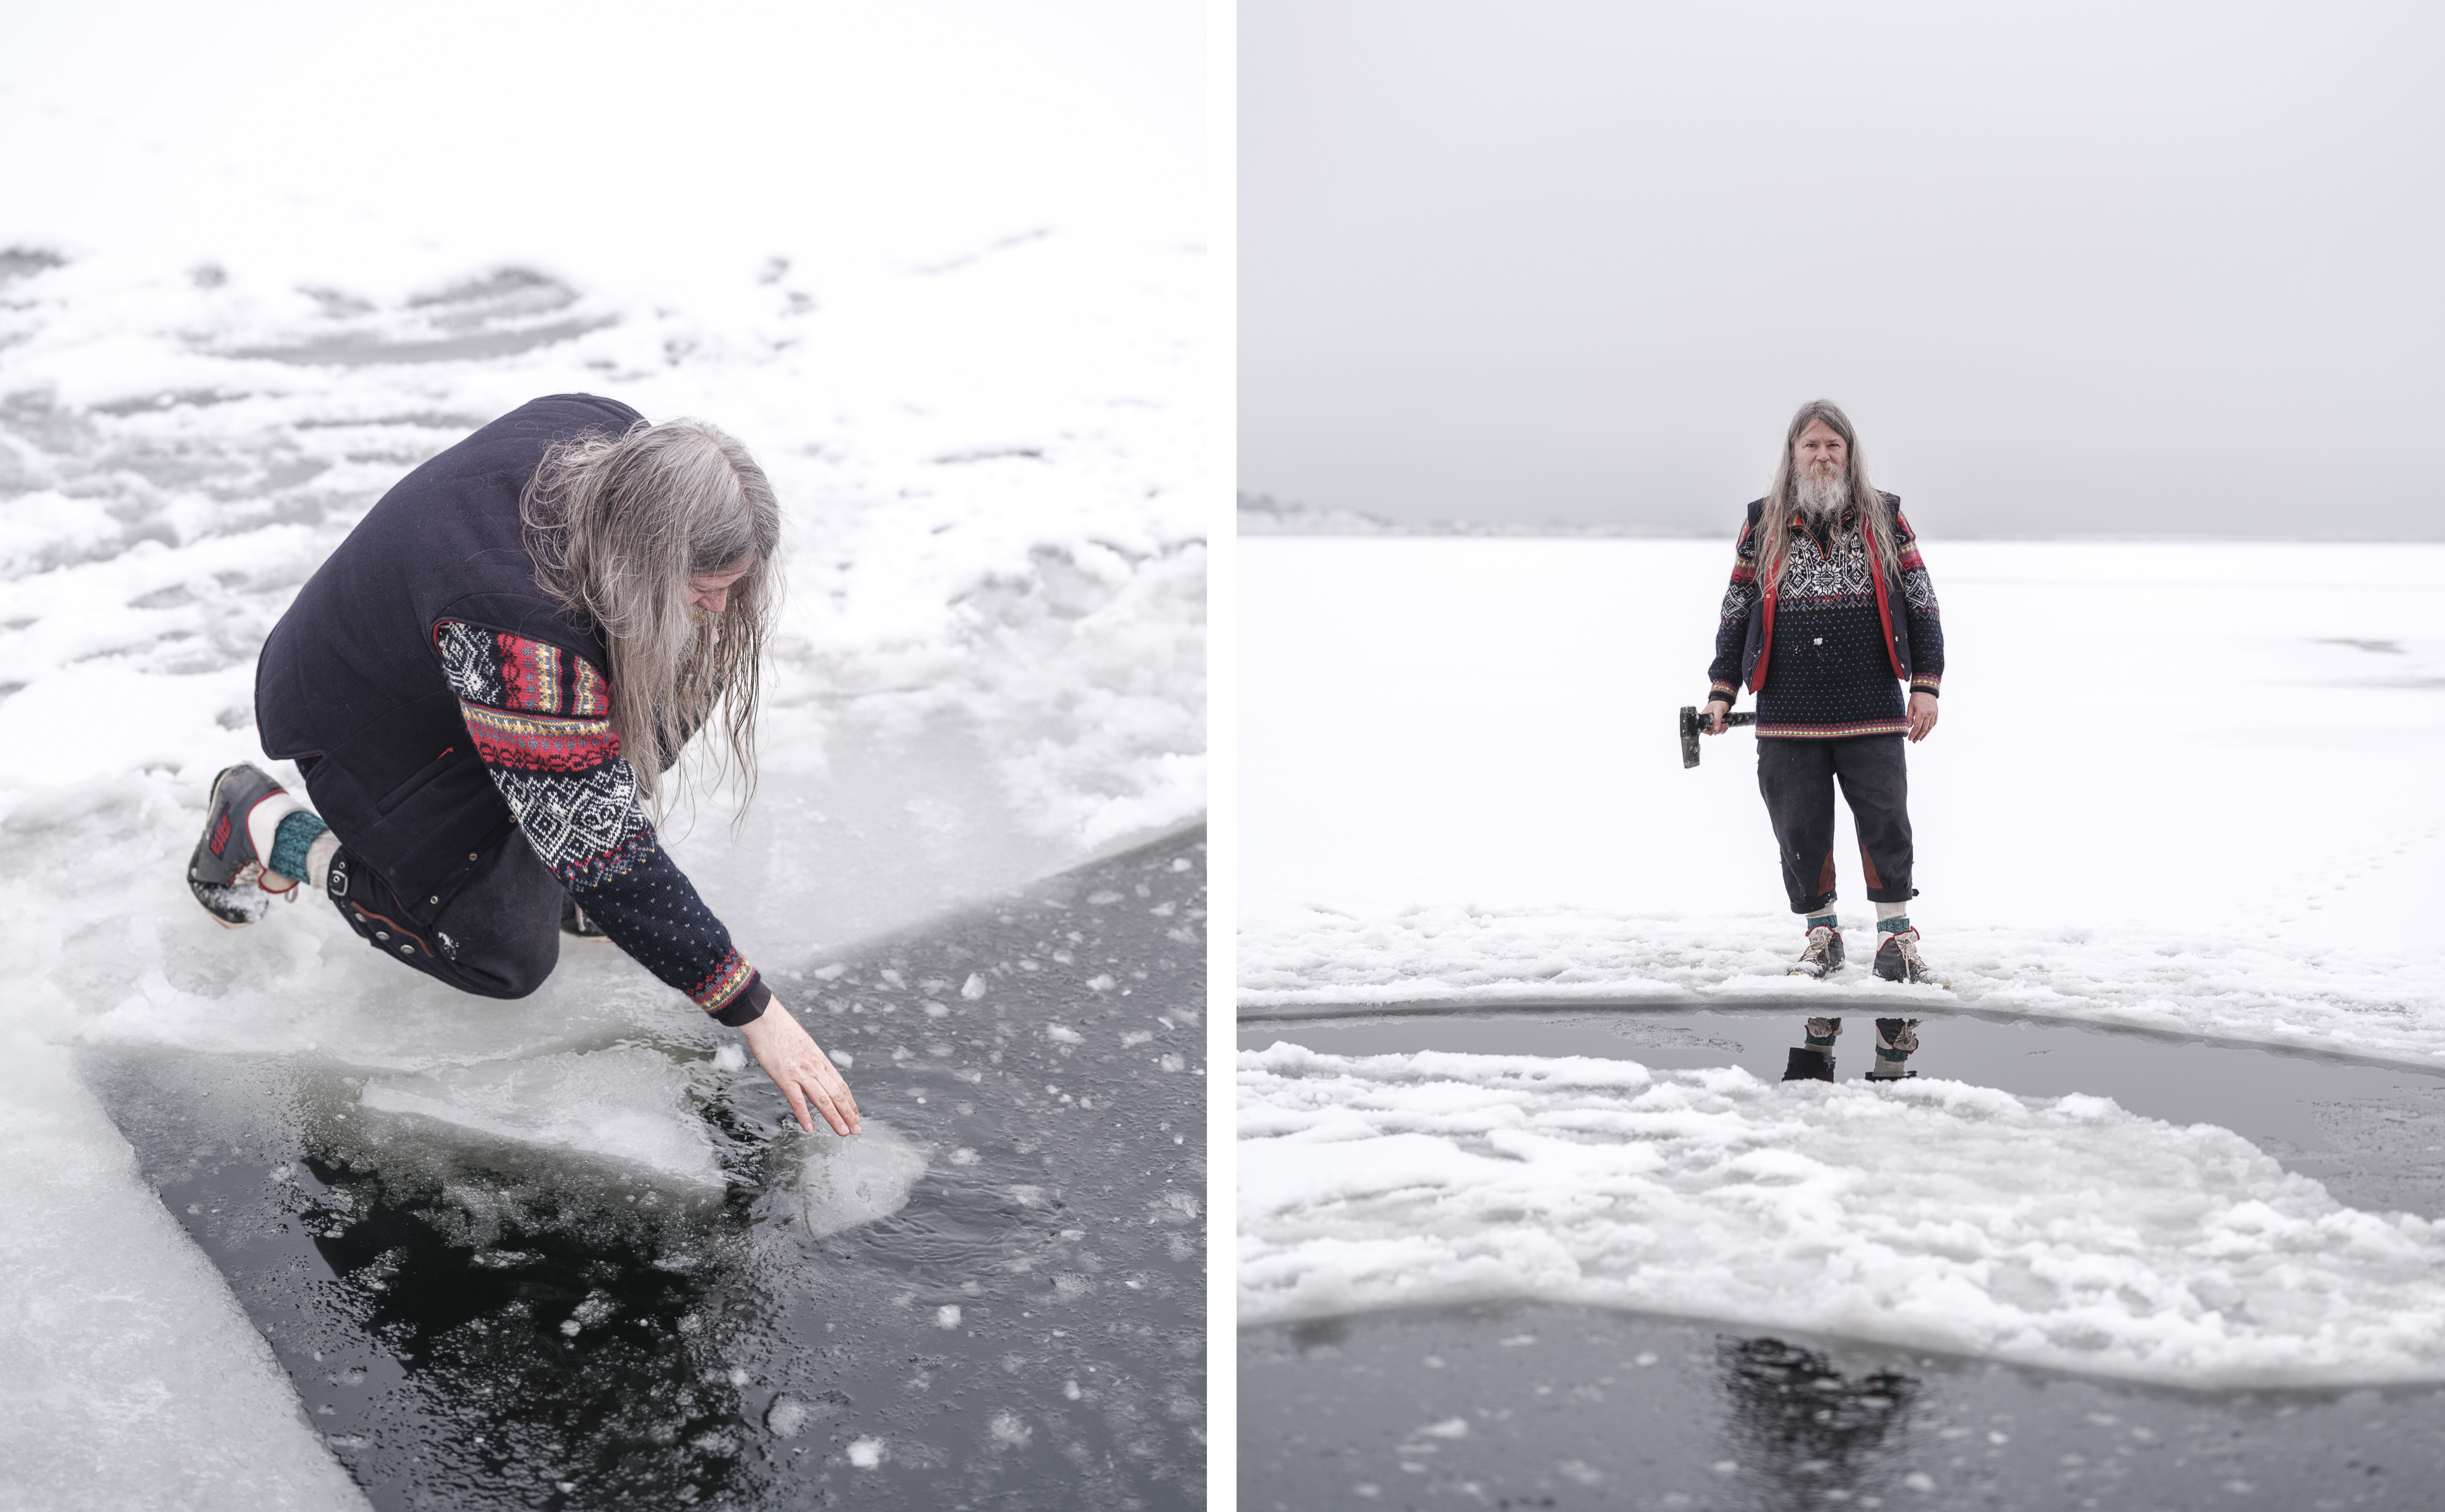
<point x="1893" y="926"/>
<point x="296" y="835"/>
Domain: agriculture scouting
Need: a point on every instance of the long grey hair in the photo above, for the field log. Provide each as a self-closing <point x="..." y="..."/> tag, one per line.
<point x="617" y="526"/>
<point x="1876" y="516"/>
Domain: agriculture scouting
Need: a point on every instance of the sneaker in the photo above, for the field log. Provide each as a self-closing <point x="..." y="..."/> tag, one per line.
<point x="1895" y="1040"/>
<point x="1823" y="956"/>
<point x="225" y="874"/>
<point x="1897" y="959"/>
<point x="574" y="924"/>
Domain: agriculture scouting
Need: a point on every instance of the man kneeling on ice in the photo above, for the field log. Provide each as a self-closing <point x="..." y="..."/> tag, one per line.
<point x="1829" y="615"/>
<point x="488" y="685"/>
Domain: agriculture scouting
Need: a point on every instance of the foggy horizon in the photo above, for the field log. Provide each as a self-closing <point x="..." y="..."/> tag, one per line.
<point x="2095" y="272"/>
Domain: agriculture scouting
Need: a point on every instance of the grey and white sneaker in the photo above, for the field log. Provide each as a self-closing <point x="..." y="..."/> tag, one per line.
<point x="1897" y="959"/>
<point x="226" y="873"/>
<point x="1823" y="956"/>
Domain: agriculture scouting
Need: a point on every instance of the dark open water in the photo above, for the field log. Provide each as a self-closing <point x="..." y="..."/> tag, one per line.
<point x="475" y="1327"/>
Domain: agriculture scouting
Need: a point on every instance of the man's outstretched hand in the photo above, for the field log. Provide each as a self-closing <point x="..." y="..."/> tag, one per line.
<point x="800" y="1070"/>
<point x="1922" y="715"/>
<point x="1712" y="723"/>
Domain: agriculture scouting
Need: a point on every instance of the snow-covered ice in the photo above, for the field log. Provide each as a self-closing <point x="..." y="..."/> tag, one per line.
<point x="2061" y="1232"/>
<point x="2182" y="786"/>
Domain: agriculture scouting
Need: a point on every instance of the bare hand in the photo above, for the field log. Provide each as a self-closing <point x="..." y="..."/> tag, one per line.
<point x="1922" y="715"/>
<point x="1712" y="724"/>
<point x="799" y="1068"/>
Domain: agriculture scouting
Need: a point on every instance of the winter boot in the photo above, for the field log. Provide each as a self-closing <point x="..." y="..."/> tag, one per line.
<point x="574" y="924"/>
<point x="1897" y="959"/>
<point x="1895" y="1040"/>
<point x="227" y="873"/>
<point x="1823" y="956"/>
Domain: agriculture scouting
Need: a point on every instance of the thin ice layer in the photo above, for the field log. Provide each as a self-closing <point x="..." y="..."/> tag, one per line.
<point x="2062" y="1232"/>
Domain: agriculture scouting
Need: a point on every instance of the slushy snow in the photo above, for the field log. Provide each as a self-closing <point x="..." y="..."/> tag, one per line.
<point x="2060" y="1232"/>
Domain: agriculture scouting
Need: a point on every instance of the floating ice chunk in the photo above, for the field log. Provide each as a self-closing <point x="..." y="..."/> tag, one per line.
<point x="731" y="1056"/>
<point x="831" y="973"/>
<point x="2063" y="1233"/>
<point x="973" y="988"/>
<point x="1136" y="1036"/>
<point x="1172" y="1062"/>
<point x="947" y="1317"/>
<point x="964" y="1156"/>
<point x="866" y="1453"/>
<point x="1008" y="1430"/>
<point x="848" y="1181"/>
<point x="1101" y="981"/>
<point x="1451" y="1428"/>
<point x="1063" y="1035"/>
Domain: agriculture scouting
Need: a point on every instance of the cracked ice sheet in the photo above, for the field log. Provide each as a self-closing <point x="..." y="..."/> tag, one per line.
<point x="2063" y="1233"/>
<point x="1460" y="783"/>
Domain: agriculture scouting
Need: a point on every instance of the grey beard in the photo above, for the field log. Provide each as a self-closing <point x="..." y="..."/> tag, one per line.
<point x="1823" y="500"/>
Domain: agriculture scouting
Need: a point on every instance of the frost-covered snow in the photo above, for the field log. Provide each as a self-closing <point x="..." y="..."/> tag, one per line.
<point x="940" y="273"/>
<point x="2182" y="786"/>
<point x="2062" y="1232"/>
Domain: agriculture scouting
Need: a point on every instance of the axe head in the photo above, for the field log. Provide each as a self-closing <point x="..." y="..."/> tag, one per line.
<point x="1689" y="735"/>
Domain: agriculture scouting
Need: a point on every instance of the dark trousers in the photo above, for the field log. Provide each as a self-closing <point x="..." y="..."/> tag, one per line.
<point x="1796" y="777"/>
<point x="499" y="937"/>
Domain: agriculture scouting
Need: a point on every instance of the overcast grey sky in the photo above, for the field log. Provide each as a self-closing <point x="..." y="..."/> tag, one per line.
<point x="2072" y="269"/>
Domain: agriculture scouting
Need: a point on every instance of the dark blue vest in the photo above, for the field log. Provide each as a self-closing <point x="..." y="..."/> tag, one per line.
<point x="349" y="685"/>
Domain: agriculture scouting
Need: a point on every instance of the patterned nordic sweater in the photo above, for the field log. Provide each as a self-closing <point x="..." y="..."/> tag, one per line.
<point x="1828" y="672"/>
<point x="540" y="718"/>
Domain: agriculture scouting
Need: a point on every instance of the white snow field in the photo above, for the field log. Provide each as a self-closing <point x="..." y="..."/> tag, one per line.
<point x="942" y="273"/>
<point x="2185" y="787"/>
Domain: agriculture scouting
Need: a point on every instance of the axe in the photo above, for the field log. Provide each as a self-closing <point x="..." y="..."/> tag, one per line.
<point x="1691" y="725"/>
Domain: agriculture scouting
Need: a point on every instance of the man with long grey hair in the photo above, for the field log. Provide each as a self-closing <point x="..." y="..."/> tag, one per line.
<point x="487" y="686"/>
<point x="1829" y="616"/>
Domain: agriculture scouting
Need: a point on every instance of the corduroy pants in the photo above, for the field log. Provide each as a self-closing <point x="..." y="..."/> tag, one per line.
<point x="1797" y="778"/>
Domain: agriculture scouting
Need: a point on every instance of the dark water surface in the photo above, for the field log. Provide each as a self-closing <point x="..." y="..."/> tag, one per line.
<point x="476" y="1327"/>
<point x="1534" y="1406"/>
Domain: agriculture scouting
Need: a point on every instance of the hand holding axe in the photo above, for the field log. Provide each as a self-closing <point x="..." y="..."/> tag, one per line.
<point x="1691" y="725"/>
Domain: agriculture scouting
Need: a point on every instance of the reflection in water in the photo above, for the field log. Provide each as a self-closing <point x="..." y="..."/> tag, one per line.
<point x="1812" y="1059"/>
<point x="1802" y="1432"/>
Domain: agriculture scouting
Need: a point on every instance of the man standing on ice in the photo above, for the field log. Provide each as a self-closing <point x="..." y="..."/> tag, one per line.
<point x="1829" y="615"/>
<point x="486" y="687"/>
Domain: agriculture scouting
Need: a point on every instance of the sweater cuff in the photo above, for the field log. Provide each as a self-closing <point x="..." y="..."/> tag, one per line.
<point x="1928" y="683"/>
<point x="749" y="1005"/>
<point x="1724" y="691"/>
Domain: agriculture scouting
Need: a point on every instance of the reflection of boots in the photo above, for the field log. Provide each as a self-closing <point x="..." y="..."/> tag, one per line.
<point x="1895" y="1040"/>
<point x="1815" y="1060"/>
<point x="1808" y="1065"/>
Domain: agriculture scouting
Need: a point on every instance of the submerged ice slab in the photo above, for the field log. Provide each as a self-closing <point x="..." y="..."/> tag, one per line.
<point x="2061" y="1232"/>
<point x="843" y="1183"/>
